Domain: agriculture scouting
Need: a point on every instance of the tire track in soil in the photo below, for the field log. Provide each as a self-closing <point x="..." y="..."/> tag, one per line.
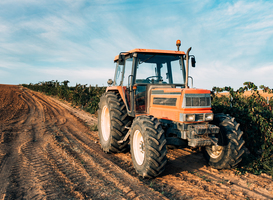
<point x="108" y="170"/>
<point x="47" y="152"/>
<point x="100" y="170"/>
<point x="40" y="157"/>
<point x="70" y="134"/>
<point x="186" y="177"/>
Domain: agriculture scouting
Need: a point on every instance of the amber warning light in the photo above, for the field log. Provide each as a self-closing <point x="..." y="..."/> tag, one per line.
<point x="178" y="44"/>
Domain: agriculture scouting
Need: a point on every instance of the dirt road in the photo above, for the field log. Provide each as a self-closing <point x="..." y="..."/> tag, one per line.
<point x="47" y="151"/>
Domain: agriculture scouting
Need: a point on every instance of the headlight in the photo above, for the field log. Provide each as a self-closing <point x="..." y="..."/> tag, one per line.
<point x="209" y="117"/>
<point x="196" y="117"/>
<point x="189" y="117"/>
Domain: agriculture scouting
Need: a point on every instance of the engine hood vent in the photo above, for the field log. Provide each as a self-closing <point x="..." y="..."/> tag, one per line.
<point x="196" y="101"/>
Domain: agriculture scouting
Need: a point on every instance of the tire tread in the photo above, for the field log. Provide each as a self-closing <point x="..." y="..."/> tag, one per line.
<point x="119" y="119"/>
<point x="155" y="151"/>
<point x="232" y="142"/>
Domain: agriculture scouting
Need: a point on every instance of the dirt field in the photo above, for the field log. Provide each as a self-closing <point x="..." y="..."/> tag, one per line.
<point x="47" y="151"/>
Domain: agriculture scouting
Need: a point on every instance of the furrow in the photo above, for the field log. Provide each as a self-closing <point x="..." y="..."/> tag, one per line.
<point x="110" y="171"/>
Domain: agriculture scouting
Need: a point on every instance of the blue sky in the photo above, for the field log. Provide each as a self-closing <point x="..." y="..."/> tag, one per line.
<point x="77" y="40"/>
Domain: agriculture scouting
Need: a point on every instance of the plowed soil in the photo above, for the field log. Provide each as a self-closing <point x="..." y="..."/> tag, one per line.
<point x="48" y="151"/>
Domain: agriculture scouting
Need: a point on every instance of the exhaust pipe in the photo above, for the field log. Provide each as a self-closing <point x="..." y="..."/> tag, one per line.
<point x="187" y="68"/>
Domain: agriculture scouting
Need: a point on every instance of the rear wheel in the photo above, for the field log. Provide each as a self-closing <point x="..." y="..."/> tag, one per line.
<point x="228" y="152"/>
<point x="113" y="119"/>
<point x="148" y="146"/>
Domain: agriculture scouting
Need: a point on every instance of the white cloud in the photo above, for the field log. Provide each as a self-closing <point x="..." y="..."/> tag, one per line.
<point x="220" y="75"/>
<point x="3" y="28"/>
<point x="3" y="74"/>
<point x="8" y="2"/>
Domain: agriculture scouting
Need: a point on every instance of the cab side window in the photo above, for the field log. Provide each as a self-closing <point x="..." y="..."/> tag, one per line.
<point x="127" y="71"/>
<point x="118" y="75"/>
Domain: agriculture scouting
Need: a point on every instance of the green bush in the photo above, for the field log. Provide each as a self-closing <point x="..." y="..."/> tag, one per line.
<point x="256" y="118"/>
<point x="86" y="97"/>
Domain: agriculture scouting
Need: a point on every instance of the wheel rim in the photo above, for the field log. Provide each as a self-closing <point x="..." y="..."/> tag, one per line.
<point x="105" y="123"/>
<point x="214" y="151"/>
<point x="138" y="145"/>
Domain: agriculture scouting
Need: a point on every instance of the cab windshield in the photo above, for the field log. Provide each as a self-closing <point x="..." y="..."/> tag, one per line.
<point x="159" y="69"/>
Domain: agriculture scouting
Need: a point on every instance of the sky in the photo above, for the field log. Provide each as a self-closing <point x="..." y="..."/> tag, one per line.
<point x="77" y="40"/>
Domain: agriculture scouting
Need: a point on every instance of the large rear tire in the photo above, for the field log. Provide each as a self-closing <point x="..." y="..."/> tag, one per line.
<point x="112" y="122"/>
<point x="228" y="152"/>
<point x="148" y="146"/>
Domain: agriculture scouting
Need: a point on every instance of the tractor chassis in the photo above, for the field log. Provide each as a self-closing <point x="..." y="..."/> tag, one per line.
<point x="183" y="135"/>
<point x="193" y="135"/>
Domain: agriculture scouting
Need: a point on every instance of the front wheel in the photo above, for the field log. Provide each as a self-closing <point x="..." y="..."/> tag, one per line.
<point x="228" y="152"/>
<point x="148" y="146"/>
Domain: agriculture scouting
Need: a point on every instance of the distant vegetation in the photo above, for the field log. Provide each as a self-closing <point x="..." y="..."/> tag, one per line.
<point x="86" y="97"/>
<point x="253" y="112"/>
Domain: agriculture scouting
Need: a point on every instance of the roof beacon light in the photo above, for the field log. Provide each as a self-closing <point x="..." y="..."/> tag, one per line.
<point x="178" y="44"/>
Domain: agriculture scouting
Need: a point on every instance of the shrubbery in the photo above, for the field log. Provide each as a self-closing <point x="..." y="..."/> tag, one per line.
<point x="80" y="95"/>
<point x="255" y="115"/>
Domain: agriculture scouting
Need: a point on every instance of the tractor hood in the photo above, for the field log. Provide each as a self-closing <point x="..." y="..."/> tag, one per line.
<point x="175" y="103"/>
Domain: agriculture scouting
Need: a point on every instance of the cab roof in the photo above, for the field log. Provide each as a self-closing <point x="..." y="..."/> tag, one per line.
<point x="157" y="51"/>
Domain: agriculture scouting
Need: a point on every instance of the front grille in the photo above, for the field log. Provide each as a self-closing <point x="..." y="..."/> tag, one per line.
<point x="199" y="117"/>
<point x="197" y="101"/>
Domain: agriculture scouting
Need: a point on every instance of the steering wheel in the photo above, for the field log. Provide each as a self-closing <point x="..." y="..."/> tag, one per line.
<point x="148" y="78"/>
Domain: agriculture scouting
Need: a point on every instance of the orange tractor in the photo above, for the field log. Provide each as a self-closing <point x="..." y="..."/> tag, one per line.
<point x="149" y="105"/>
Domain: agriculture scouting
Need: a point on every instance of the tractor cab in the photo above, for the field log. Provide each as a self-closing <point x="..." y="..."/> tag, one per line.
<point x="141" y="70"/>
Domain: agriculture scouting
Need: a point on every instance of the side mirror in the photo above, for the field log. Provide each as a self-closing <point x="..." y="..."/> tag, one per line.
<point x="121" y="59"/>
<point x="110" y="82"/>
<point x="193" y="61"/>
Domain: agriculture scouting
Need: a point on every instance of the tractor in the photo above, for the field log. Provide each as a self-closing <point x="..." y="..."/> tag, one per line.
<point x="150" y="106"/>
